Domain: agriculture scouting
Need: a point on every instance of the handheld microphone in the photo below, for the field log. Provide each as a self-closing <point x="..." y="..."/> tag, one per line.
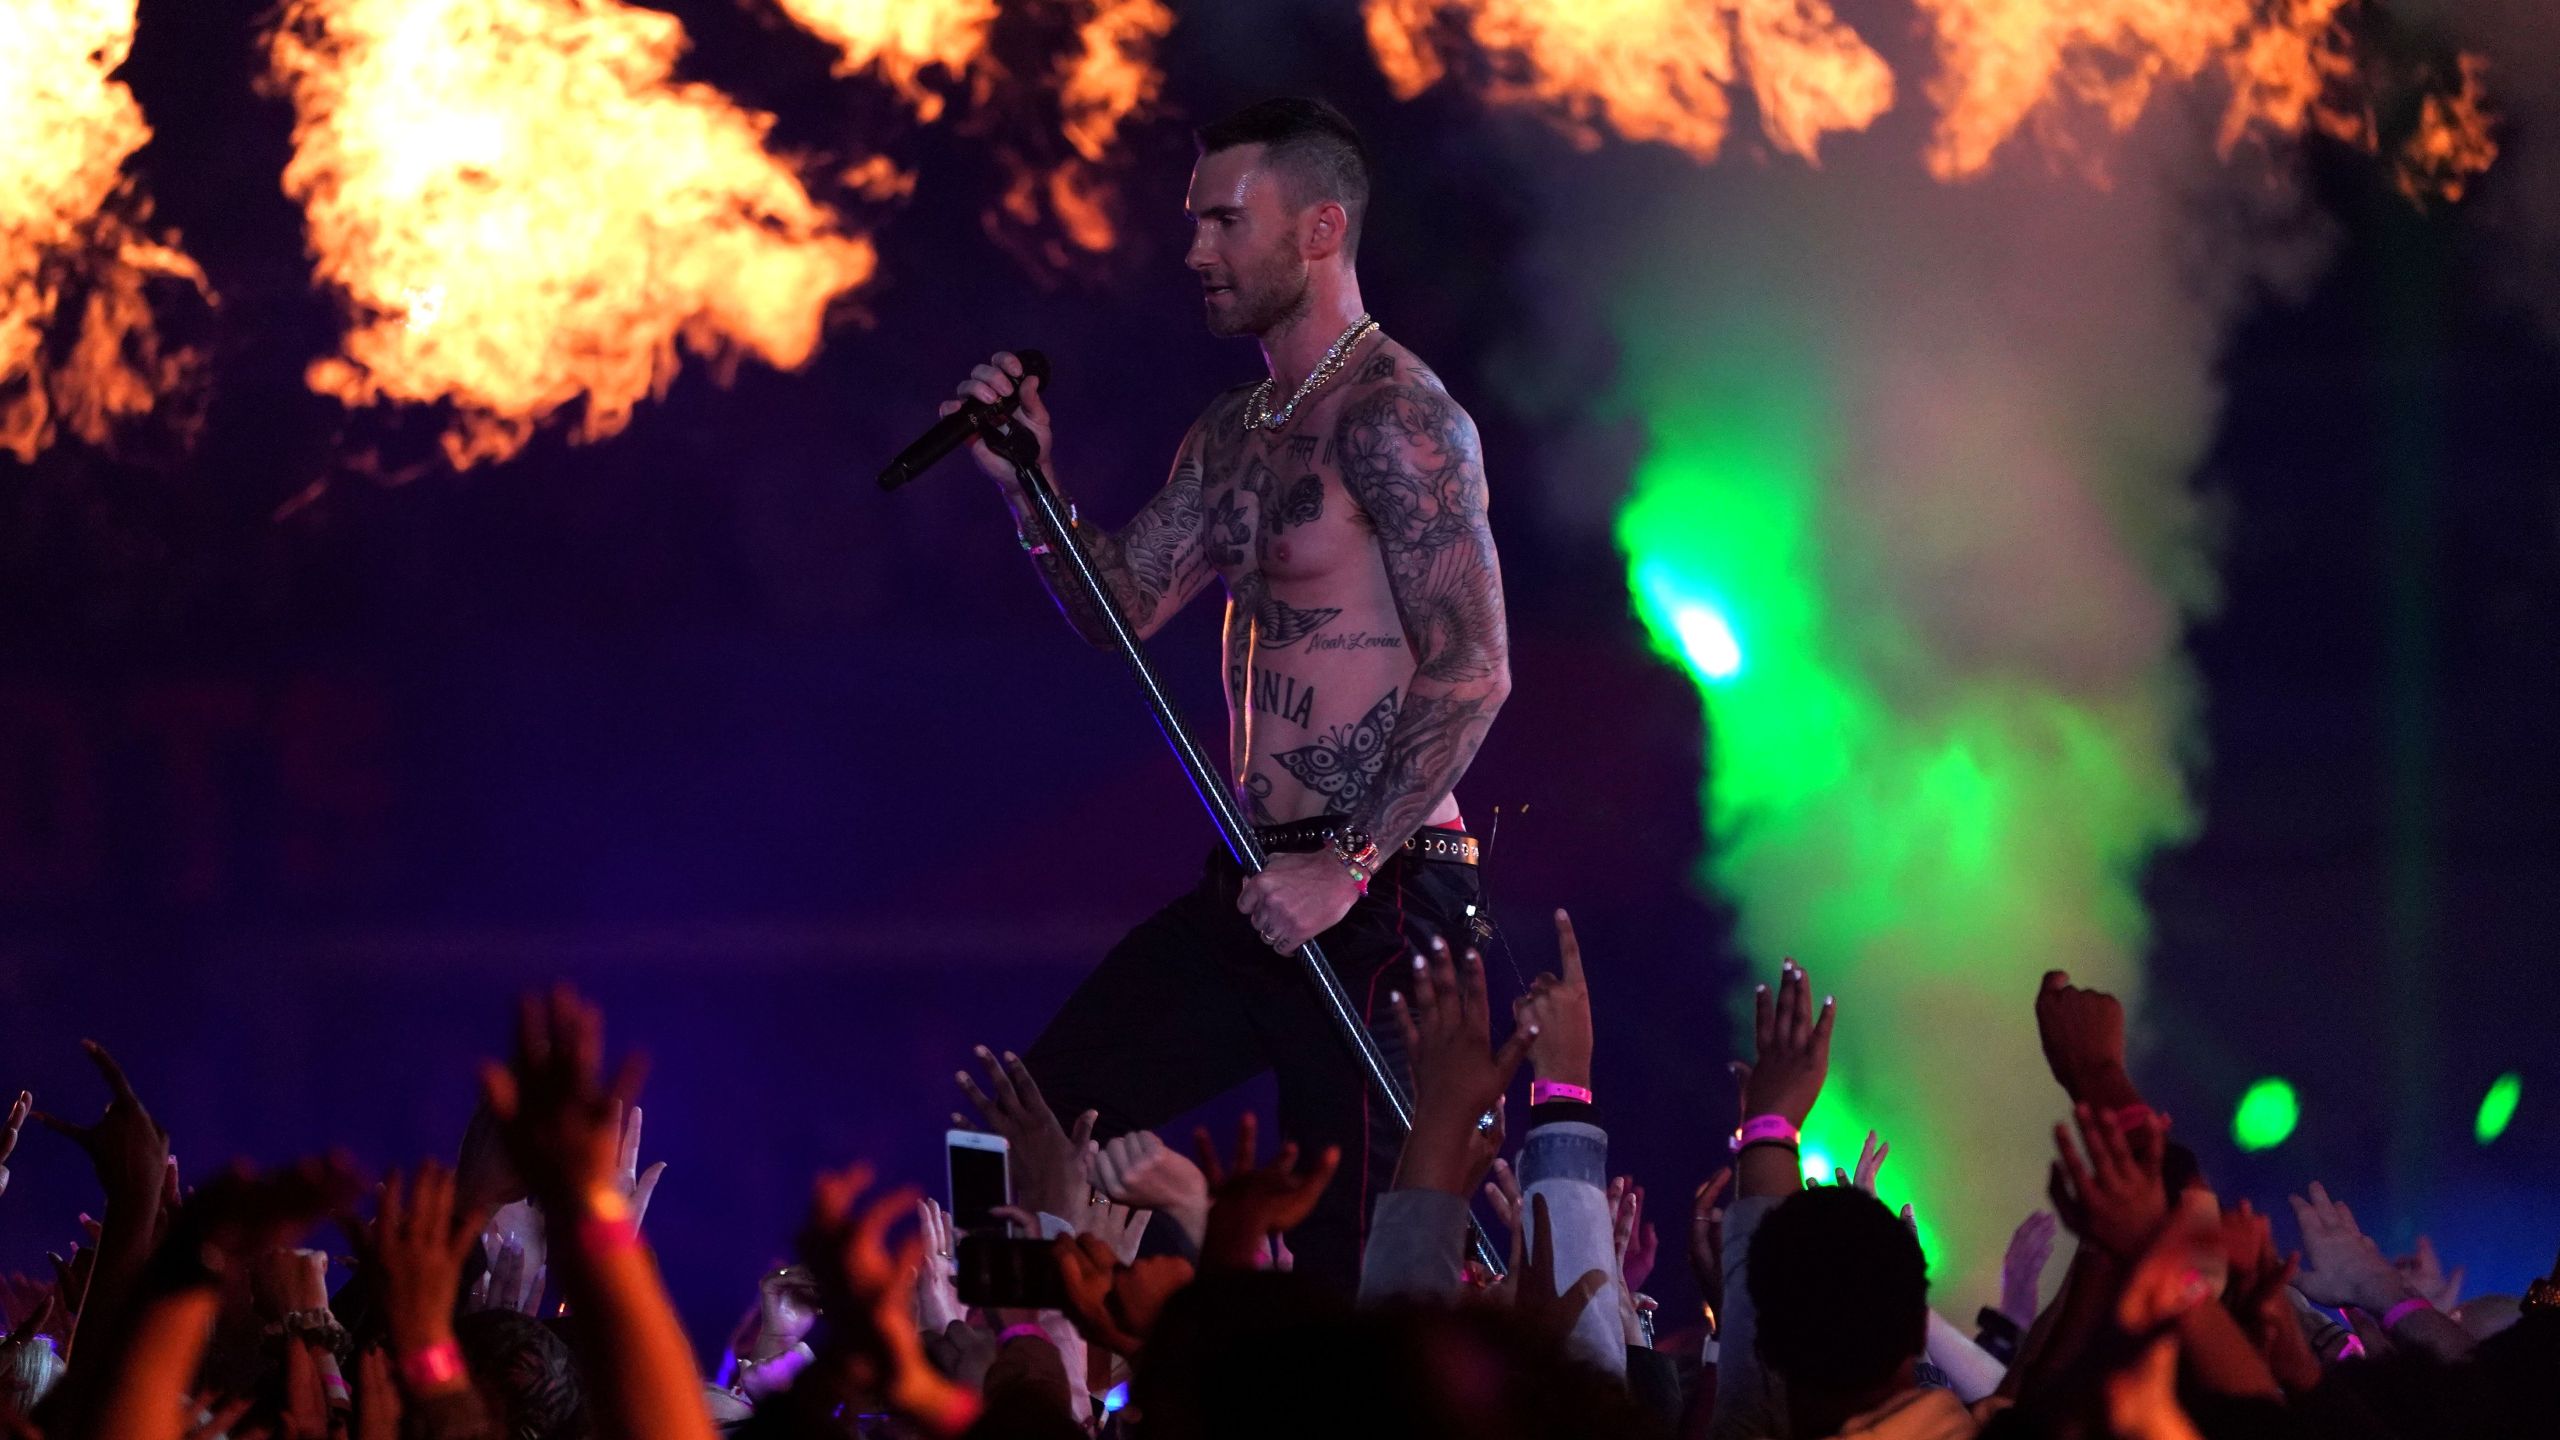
<point x="962" y="425"/>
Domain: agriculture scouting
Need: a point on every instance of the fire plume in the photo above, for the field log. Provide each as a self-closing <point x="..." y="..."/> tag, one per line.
<point x="2452" y="144"/>
<point x="901" y="39"/>
<point x="522" y="211"/>
<point x="1647" y="70"/>
<point x="1109" y="77"/>
<point x="79" y="346"/>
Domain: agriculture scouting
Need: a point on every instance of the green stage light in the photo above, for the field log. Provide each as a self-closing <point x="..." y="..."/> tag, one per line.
<point x="2498" y="1107"/>
<point x="2266" y="1116"/>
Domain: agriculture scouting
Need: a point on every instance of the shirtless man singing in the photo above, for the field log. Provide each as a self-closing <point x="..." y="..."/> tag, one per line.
<point x="1342" y="503"/>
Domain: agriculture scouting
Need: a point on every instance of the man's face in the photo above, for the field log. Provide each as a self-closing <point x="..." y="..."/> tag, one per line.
<point x="1244" y="244"/>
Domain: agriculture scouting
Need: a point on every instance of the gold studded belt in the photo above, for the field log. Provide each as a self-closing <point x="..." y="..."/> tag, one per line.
<point x="1454" y="847"/>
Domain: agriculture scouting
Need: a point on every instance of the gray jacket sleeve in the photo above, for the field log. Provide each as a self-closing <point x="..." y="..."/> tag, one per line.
<point x="1417" y="1244"/>
<point x="1747" y="1399"/>
<point x="1568" y="1163"/>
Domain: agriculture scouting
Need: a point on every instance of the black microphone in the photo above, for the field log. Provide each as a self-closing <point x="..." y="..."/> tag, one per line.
<point x="962" y="425"/>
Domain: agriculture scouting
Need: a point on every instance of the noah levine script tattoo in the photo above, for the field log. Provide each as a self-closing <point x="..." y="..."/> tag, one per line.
<point x="1410" y="461"/>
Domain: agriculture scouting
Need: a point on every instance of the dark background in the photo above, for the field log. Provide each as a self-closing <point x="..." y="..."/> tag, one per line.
<point x="811" y="789"/>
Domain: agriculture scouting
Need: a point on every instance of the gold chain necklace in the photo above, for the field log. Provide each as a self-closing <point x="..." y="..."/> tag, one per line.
<point x="1258" y="414"/>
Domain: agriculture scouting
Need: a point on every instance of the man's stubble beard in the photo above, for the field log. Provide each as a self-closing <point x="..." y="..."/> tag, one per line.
<point x="1268" y="299"/>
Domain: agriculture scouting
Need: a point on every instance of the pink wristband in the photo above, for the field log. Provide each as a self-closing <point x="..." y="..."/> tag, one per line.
<point x="433" y="1368"/>
<point x="1771" y="1129"/>
<point x="1542" y="1091"/>
<point x="603" y="1235"/>
<point x="1011" y="1333"/>
<point x="2392" y="1317"/>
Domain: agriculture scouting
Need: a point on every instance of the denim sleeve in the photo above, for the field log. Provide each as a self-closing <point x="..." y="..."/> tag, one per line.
<point x="1747" y="1402"/>
<point x="1568" y="1163"/>
<point x="1417" y="1243"/>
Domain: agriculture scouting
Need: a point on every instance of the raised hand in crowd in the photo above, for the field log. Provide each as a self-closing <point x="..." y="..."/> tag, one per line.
<point x="10" y="1124"/>
<point x="1250" y="1202"/>
<point x="130" y="1154"/>
<point x="2426" y="1273"/>
<point x="938" y="1305"/>
<point x="418" y="1244"/>
<point x="1115" y="1302"/>
<point x="2343" y="1267"/>
<point x="2259" y="1294"/>
<point x="1140" y="1171"/>
<point x="1048" y="1159"/>
<point x="1791" y="1059"/>
<point x="2114" y="1199"/>
<point x="1458" y="1077"/>
<point x="514" y="1255"/>
<point x="135" y="1389"/>
<point x="1706" y="1238"/>
<point x="2022" y="1266"/>
<point x="873" y="1348"/>
<point x="1548" y="1308"/>
<point x="1556" y="1014"/>
<point x="1633" y="1242"/>
<point x="2082" y="1032"/>
<point x="565" y="1129"/>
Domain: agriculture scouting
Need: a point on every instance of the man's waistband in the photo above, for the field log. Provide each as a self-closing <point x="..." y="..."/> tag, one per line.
<point x="1454" y="847"/>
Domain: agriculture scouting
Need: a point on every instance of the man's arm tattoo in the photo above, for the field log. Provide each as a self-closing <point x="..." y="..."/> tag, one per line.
<point x="1410" y="459"/>
<point x="1155" y="556"/>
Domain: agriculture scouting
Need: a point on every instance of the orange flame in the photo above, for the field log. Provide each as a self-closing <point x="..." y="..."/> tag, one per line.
<point x="2453" y="143"/>
<point x="1648" y="70"/>
<point x="73" y="234"/>
<point x="1110" y="77"/>
<point x="522" y="211"/>
<point x="901" y="39"/>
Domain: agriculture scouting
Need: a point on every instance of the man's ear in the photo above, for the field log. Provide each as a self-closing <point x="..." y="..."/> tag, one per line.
<point x="1327" y="228"/>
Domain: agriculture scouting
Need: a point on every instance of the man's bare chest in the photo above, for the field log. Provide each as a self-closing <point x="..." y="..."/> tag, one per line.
<point x="1276" y="506"/>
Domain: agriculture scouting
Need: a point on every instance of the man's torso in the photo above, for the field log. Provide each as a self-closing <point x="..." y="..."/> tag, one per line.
<point x="1317" y="661"/>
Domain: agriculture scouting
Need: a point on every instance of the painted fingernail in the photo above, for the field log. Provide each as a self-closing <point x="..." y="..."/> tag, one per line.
<point x="1761" y="989"/>
<point x="1826" y="1002"/>
<point x="1395" y="997"/>
<point x="1011" y="1058"/>
<point x="1418" y="962"/>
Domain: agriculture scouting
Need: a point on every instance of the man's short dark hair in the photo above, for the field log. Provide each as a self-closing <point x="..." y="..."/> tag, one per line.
<point x="1839" y="1288"/>
<point x="524" y="1370"/>
<point x="1314" y="147"/>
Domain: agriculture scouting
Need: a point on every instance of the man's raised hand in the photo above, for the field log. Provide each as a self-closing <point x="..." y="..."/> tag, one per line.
<point x="9" y="1128"/>
<point x="2082" y="1032"/>
<point x="2342" y="1266"/>
<point x="1252" y="1202"/>
<point x="1141" y="1171"/>
<point x="2022" y="1267"/>
<point x="1793" y="1056"/>
<point x="2115" y="1199"/>
<point x="1457" y="1076"/>
<point x="563" y="1125"/>
<point x="989" y="384"/>
<point x="129" y="1151"/>
<point x="1048" y="1160"/>
<point x="1557" y="1013"/>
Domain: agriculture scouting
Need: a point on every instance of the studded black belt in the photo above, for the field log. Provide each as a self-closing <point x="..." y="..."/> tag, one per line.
<point x="1454" y="847"/>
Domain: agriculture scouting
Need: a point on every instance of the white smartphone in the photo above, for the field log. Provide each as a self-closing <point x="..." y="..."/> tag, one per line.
<point x="981" y="1170"/>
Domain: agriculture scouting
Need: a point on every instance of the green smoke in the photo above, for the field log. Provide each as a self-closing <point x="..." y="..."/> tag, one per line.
<point x="1913" y="511"/>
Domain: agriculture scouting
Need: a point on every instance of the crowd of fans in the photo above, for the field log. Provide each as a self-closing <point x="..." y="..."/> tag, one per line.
<point x="514" y="1295"/>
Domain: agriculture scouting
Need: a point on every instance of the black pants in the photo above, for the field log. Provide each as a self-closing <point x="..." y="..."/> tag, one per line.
<point x="1192" y="1003"/>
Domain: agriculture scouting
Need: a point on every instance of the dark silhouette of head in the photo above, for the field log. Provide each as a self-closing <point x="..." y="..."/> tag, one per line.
<point x="1841" y="1292"/>
<point x="526" y="1374"/>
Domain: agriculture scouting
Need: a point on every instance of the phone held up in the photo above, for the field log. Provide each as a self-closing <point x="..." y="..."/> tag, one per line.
<point x="995" y="1269"/>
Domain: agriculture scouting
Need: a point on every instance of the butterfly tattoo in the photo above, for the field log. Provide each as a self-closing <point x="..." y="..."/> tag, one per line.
<point x="1344" y="763"/>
